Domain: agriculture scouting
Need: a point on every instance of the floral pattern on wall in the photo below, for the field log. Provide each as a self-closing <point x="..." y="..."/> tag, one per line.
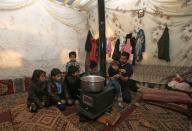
<point x="122" y="18"/>
<point x="186" y="31"/>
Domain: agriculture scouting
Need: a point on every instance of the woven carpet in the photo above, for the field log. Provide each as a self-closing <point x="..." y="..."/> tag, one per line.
<point x="47" y="119"/>
<point x="96" y="126"/>
<point x="52" y="119"/>
<point x="148" y="117"/>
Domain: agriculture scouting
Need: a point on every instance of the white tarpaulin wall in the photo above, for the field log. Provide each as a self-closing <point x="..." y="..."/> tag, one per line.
<point x="38" y="34"/>
<point x="122" y="18"/>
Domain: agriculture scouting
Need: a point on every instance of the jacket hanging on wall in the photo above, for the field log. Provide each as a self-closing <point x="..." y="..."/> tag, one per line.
<point x="88" y="49"/>
<point x="140" y="45"/>
<point x="133" y="43"/>
<point x="116" y="53"/>
<point x="108" y="47"/>
<point x="88" y="42"/>
<point x="163" y="45"/>
<point x="93" y="52"/>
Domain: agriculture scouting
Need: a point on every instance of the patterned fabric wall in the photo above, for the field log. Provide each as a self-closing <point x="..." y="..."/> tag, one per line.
<point x="122" y="18"/>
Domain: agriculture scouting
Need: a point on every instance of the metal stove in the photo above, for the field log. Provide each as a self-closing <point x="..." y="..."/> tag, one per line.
<point x="93" y="105"/>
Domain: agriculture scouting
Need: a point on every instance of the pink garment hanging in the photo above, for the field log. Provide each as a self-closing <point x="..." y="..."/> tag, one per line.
<point x="108" y="48"/>
<point x="127" y="47"/>
<point x="93" y="52"/>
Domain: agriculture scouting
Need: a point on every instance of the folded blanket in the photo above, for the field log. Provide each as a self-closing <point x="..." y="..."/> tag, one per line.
<point x="166" y="96"/>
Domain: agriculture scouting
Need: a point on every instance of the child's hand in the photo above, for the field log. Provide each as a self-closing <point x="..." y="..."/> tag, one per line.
<point x="121" y="77"/>
<point x="117" y="76"/>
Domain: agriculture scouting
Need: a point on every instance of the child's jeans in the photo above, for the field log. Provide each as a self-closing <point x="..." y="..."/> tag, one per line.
<point x="116" y="87"/>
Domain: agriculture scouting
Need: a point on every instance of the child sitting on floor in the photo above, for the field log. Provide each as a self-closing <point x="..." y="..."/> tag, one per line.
<point x="37" y="94"/>
<point x="92" y="69"/>
<point x="73" y="83"/>
<point x="56" y="89"/>
<point x="113" y="72"/>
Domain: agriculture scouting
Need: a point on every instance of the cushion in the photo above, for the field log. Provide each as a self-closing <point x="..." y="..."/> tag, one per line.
<point x="6" y="121"/>
<point x="183" y="86"/>
<point x="18" y="85"/>
<point x="27" y="82"/>
<point x="167" y="96"/>
<point x="6" y="87"/>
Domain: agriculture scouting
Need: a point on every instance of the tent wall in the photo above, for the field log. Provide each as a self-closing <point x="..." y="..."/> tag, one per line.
<point x="122" y="18"/>
<point x="39" y="35"/>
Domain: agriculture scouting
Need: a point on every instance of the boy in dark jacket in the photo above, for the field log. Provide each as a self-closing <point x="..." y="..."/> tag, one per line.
<point x="57" y="92"/>
<point x="37" y="94"/>
<point x="73" y="82"/>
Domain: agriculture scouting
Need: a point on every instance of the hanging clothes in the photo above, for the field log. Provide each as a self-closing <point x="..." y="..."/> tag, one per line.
<point x="97" y="48"/>
<point x="93" y="52"/>
<point x="163" y="45"/>
<point x="140" y="45"/>
<point x="127" y="47"/>
<point x="108" y="47"/>
<point x="87" y="61"/>
<point x="122" y="42"/>
<point x="116" y="54"/>
<point x="88" y="49"/>
<point x="88" y="42"/>
<point x="133" y="43"/>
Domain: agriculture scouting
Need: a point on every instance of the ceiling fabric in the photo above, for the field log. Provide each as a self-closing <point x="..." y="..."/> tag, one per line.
<point x="14" y="4"/>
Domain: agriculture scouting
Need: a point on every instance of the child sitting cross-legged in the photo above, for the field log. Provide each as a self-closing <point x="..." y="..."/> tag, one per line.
<point x="56" y="90"/>
<point x="73" y="83"/>
<point x="37" y="94"/>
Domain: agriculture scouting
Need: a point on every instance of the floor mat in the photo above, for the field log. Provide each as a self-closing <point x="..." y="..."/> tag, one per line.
<point x="148" y="117"/>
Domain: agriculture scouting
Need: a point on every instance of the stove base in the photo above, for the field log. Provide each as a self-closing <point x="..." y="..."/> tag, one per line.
<point x="92" y="115"/>
<point x="93" y="105"/>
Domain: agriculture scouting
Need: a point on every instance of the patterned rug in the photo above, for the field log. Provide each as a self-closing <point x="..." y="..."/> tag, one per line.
<point x="47" y="119"/>
<point x="6" y="87"/>
<point x="148" y="117"/>
<point x="97" y="126"/>
<point x="52" y="119"/>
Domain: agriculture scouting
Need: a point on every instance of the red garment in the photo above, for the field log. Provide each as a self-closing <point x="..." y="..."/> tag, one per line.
<point x="93" y="52"/>
<point x="108" y="48"/>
